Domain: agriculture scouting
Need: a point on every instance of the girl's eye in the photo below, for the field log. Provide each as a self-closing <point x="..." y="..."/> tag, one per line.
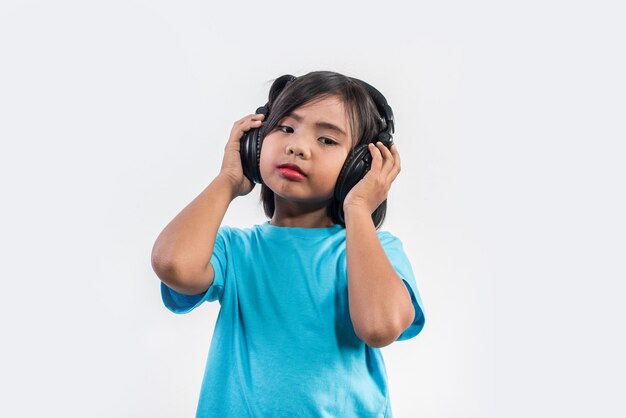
<point x="289" y="130"/>
<point x="331" y="142"/>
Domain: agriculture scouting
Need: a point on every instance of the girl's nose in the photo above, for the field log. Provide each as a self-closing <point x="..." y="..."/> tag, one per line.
<point x="298" y="149"/>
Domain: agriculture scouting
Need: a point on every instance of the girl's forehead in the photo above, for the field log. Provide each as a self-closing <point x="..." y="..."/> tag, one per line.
<point x="331" y="106"/>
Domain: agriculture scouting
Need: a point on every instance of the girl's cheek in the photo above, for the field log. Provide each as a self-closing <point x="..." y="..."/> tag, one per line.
<point x="265" y="159"/>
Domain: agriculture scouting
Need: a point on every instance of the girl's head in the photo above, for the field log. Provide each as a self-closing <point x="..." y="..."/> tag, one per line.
<point x="314" y="122"/>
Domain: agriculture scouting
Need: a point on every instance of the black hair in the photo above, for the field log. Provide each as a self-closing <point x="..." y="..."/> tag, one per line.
<point x="288" y="93"/>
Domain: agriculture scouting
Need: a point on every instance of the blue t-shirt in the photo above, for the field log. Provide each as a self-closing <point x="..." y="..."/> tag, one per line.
<point x="283" y="344"/>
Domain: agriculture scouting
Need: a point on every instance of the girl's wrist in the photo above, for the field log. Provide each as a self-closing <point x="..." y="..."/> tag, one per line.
<point x="228" y="185"/>
<point x="356" y="210"/>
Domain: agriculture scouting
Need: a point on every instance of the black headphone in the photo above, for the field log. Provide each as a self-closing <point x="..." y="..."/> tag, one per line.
<point x="355" y="167"/>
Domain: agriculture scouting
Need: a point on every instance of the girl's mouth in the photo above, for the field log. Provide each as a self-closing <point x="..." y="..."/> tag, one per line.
<point x="290" y="174"/>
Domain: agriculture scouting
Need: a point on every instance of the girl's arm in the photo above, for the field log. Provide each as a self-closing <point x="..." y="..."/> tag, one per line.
<point x="380" y="304"/>
<point x="182" y="253"/>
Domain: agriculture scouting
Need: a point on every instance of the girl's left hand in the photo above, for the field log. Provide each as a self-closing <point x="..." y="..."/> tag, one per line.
<point x="372" y="189"/>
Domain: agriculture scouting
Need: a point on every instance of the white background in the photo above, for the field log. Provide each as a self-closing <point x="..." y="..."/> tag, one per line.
<point x="510" y="203"/>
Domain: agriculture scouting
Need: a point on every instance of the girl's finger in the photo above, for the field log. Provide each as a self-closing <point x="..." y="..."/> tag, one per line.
<point x="387" y="156"/>
<point x="395" y="169"/>
<point x="243" y="120"/>
<point x="242" y="126"/>
<point x="377" y="158"/>
<point x="396" y="157"/>
<point x="250" y="118"/>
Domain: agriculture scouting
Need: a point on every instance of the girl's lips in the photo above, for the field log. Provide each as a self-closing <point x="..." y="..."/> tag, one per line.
<point x="290" y="174"/>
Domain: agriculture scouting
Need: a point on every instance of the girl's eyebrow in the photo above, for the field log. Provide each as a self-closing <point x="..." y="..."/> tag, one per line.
<point x="319" y="124"/>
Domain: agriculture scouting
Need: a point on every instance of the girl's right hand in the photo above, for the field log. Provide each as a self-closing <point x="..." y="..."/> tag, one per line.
<point x="231" y="163"/>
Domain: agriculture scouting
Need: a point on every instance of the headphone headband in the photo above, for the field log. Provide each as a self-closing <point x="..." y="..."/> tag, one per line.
<point x="381" y="104"/>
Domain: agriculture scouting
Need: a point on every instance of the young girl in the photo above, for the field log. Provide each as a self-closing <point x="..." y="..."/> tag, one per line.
<point x="308" y="297"/>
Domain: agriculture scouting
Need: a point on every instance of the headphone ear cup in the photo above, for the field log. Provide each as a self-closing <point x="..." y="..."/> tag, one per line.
<point x="250" y="149"/>
<point x="250" y="153"/>
<point x="354" y="169"/>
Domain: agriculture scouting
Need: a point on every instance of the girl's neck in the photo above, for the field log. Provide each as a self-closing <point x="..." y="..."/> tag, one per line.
<point x="300" y="215"/>
<point x="308" y="220"/>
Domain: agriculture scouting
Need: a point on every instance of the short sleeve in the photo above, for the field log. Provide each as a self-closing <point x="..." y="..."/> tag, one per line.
<point x="181" y="303"/>
<point x="399" y="260"/>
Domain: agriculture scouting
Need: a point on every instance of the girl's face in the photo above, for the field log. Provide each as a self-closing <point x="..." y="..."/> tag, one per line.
<point x="315" y="137"/>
